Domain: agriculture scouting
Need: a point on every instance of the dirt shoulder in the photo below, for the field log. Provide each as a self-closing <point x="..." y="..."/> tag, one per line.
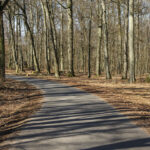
<point x="132" y="100"/>
<point x="18" y="101"/>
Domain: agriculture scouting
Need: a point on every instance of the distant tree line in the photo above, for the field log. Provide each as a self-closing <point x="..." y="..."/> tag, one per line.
<point x="77" y="36"/>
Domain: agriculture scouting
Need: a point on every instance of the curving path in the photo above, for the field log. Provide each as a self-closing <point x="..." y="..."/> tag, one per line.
<point x="71" y="119"/>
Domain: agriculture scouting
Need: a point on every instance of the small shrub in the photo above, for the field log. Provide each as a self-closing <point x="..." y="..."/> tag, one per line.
<point x="147" y="79"/>
<point x="70" y="74"/>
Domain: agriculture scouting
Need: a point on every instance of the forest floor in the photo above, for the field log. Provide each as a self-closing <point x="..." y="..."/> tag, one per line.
<point x="132" y="100"/>
<point x="18" y="101"/>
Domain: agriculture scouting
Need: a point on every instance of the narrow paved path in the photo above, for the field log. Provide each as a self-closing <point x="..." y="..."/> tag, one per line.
<point x="71" y="119"/>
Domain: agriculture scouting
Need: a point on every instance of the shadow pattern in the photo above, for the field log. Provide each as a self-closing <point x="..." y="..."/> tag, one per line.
<point x="71" y="119"/>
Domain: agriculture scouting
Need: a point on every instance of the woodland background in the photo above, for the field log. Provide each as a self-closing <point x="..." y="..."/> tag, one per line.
<point x="79" y="36"/>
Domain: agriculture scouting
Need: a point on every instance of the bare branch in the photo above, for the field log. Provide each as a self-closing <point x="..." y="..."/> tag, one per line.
<point x="5" y="4"/>
<point x="62" y="5"/>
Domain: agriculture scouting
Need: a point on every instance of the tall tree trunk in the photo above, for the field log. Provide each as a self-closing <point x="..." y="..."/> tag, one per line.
<point x="98" y="56"/>
<point x="13" y="43"/>
<point x="46" y="40"/>
<point x="138" y="35"/>
<point x="125" y="52"/>
<point x="131" y="42"/>
<point x="2" y="48"/>
<point x="107" y="67"/>
<point x="2" y="41"/>
<point x="49" y="12"/>
<point x="20" y="46"/>
<point x="36" y="63"/>
<point x="89" y="48"/>
<point x="82" y="42"/>
<point x="120" y="37"/>
<point x="61" y="42"/>
<point x="70" y="37"/>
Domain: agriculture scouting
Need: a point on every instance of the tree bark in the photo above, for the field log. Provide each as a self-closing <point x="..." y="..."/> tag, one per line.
<point x="2" y="48"/>
<point x="105" y="35"/>
<point x="138" y="35"/>
<point x="70" y="37"/>
<point x="98" y="56"/>
<point x="46" y="39"/>
<point x="2" y="42"/>
<point x="125" y="52"/>
<point x="131" y="42"/>
<point x="13" y="43"/>
<point x="48" y="8"/>
<point x="61" y="42"/>
<point x="120" y="37"/>
<point x="89" y="47"/>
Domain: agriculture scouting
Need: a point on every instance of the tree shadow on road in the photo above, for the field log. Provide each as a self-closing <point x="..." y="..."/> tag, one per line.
<point x="69" y="113"/>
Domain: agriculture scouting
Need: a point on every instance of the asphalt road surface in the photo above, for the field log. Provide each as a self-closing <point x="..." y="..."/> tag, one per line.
<point x="71" y="119"/>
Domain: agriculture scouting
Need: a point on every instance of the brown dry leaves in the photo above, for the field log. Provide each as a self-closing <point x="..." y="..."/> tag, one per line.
<point x="18" y="100"/>
<point x="131" y="99"/>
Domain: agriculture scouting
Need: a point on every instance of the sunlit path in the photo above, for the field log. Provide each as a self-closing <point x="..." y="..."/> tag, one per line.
<point x="71" y="119"/>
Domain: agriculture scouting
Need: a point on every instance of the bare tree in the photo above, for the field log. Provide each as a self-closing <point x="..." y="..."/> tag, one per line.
<point x="105" y="35"/>
<point x="90" y="34"/>
<point x="70" y="37"/>
<point x="131" y="42"/>
<point x="3" y="4"/>
<point x="13" y="41"/>
<point x="50" y="17"/>
<point x="61" y="42"/>
<point x="46" y="36"/>
<point x="125" y="49"/>
<point x="57" y="36"/>
<point x="119" y="35"/>
<point x="98" y="57"/>
<point x="23" y="8"/>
